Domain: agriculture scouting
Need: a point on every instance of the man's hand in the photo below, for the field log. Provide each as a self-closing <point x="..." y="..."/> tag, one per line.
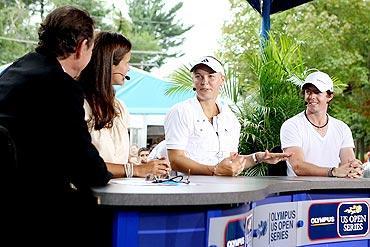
<point x="350" y="169"/>
<point x="356" y="170"/>
<point x="272" y="158"/>
<point x="230" y="166"/>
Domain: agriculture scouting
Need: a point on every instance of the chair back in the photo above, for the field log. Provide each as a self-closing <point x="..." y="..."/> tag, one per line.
<point x="278" y="169"/>
<point x="8" y="151"/>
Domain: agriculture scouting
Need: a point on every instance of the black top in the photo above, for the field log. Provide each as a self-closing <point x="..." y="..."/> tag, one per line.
<point x="54" y="149"/>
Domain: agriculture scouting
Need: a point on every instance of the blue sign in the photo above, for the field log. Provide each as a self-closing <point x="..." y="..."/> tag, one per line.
<point x="322" y="221"/>
<point x="353" y="219"/>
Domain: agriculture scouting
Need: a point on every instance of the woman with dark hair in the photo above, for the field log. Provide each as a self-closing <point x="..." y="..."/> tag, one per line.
<point x="106" y="116"/>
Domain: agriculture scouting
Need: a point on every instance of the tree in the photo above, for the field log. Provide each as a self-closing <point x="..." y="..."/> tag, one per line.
<point x="153" y="30"/>
<point x="15" y="37"/>
<point x="18" y="28"/>
<point x="98" y="9"/>
<point x="150" y="17"/>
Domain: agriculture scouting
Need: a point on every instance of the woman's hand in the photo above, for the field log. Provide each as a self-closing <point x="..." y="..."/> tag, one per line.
<point x="156" y="167"/>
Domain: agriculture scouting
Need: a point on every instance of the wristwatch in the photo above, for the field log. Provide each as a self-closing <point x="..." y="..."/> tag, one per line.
<point x="254" y="157"/>
<point x="330" y="172"/>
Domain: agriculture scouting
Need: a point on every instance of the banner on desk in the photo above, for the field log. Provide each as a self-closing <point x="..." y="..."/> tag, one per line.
<point x="231" y="231"/>
<point x="275" y="224"/>
<point x="334" y="220"/>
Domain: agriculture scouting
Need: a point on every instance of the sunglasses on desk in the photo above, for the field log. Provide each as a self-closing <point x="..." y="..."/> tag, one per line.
<point x="175" y="179"/>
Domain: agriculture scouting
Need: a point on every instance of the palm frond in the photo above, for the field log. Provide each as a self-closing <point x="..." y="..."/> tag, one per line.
<point x="271" y="96"/>
<point x="181" y="81"/>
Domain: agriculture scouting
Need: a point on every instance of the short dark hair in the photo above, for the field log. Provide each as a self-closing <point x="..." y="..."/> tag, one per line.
<point x="307" y="85"/>
<point x="142" y="149"/>
<point x="63" y="30"/>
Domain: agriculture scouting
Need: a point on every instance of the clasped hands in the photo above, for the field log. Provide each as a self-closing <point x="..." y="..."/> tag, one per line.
<point x="350" y="169"/>
<point x="235" y="164"/>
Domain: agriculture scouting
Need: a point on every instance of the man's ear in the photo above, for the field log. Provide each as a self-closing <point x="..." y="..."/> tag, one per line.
<point x="223" y="80"/>
<point x="330" y="97"/>
<point x="80" y="48"/>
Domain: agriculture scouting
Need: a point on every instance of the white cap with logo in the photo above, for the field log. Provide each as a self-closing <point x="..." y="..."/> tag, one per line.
<point x="320" y="80"/>
<point x="211" y="62"/>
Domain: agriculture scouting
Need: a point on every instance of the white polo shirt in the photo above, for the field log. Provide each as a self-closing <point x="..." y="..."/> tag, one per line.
<point x="319" y="150"/>
<point x="187" y="128"/>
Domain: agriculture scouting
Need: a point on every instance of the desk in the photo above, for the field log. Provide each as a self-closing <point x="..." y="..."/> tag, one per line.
<point x="241" y="211"/>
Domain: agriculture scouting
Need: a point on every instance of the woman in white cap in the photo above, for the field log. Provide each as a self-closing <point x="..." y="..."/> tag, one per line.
<point x="320" y="144"/>
<point x="202" y="133"/>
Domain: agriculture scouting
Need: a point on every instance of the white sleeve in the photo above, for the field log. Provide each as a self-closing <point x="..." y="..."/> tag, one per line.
<point x="347" y="137"/>
<point x="176" y="128"/>
<point x="236" y="138"/>
<point x="289" y="135"/>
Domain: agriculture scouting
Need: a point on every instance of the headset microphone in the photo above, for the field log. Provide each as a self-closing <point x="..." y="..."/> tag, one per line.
<point x="194" y="89"/>
<point x="125" y="76"/>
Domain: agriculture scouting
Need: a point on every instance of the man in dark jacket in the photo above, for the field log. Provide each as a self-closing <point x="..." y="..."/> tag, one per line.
<point x="42" y="106"/>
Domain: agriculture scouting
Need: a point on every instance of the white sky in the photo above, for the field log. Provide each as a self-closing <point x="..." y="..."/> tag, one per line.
<point x="207" y="18"/>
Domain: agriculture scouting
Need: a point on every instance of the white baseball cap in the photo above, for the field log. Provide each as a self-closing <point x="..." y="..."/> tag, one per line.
<point x="320" y="80"/>
<point x="211" y="62"/>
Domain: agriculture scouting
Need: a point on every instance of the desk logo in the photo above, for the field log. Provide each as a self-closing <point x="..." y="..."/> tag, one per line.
<point x="238" y="232"/>
<point x="323" y="219"/>
<point x="353" y="219"/>
<point x="235" y="233"/>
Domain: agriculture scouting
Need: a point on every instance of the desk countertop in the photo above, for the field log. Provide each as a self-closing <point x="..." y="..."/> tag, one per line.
<point x="215" y="190"/>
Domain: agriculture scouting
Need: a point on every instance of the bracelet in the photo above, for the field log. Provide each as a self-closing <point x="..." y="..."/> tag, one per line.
<point x="254" y="157"/>
<point x="330" y="172"/>
<point x="129" y="170"/>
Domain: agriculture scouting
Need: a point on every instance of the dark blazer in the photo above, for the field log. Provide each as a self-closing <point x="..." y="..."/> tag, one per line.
<point x="57" y="163"/>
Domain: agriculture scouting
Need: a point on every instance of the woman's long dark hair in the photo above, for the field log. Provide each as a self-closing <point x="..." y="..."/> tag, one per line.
<point x="96" y="78"/>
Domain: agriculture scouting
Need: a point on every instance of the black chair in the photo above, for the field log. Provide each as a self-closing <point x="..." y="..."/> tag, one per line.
<point x="8" y="151"/>
<point x="278" y="169"/>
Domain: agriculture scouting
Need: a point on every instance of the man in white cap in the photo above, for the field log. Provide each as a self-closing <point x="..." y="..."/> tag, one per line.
<point x="321" y="145"/>
<point x="202" y="133"/>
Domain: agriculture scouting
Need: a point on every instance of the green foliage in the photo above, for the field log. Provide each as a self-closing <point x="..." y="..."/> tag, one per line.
<point x="16" y="38"/>
<point x="144" y="46"/>
<point x="271" y="97"/>
<point x="152" y="29"/>
<point x="18" y="28"/>
<point x="98" y="9"/>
